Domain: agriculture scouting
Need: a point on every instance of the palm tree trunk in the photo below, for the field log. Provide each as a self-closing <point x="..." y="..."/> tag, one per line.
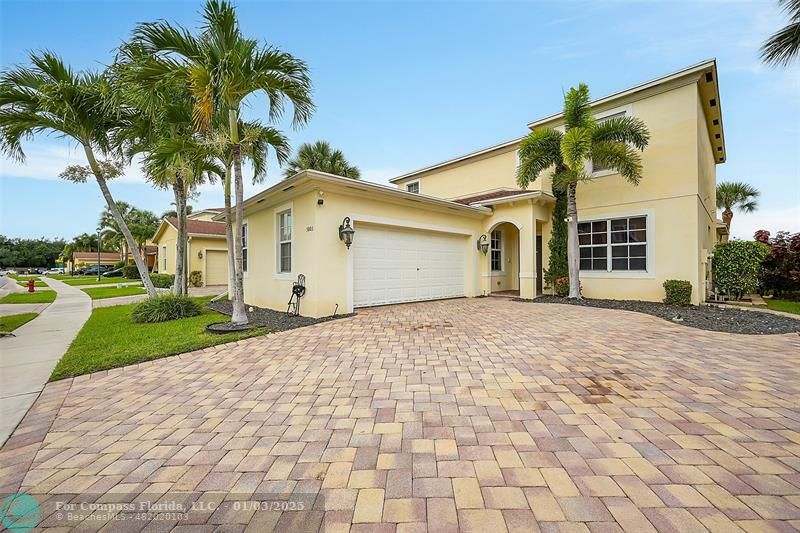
<point x="180" y="243"/>
<point x="239" y="315"/>
<point x="573" y="251"/>
<point x="229" y="227"/>
<point x="727" y="218"/>
<point x="112" y="206"/>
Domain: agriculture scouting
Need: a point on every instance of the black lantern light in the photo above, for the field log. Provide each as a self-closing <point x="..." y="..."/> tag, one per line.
<point x="346" y="232"/>
<point x="483" y="244"/>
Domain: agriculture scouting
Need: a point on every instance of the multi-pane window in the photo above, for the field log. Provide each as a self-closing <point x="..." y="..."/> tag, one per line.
<point x="614" y="245"/>
<point x="244" y="247"/>
<point x="598" y="167"/>
<point x="285" y="241"/>
<point x="413" y="187"/>
<point x="497" y="251"/>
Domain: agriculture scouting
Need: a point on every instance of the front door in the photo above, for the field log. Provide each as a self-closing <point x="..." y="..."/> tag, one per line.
<point x="538" y="264"/>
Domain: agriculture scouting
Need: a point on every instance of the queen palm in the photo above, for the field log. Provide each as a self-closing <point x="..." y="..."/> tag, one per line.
<point x="736" y="195"/>
<point x="223" y="68"/>
<point x="613" y="144"/>
<point x="49" y="97"/>
<point x="320" y="156"/>
<point x="784" y="45"/>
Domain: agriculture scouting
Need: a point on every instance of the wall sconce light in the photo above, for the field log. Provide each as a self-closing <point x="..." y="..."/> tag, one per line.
<point x="200" y="254"/>
<point x="346" y="232"/>
<point x="483" y="244"/>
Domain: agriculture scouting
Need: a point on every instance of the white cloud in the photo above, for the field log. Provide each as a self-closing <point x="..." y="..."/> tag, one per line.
<point x="744" y="225"/>
<point x="46" y="161"/>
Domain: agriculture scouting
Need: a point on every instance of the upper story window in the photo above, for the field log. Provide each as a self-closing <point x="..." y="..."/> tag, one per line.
<point x="413" y="187"/>
<point x="613" y="245"/>
<point x="284" y="241"/>
<point x="244" y="247"/>
<point x="497" y="250"/>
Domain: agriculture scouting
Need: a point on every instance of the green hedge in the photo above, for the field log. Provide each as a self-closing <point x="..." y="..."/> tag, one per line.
<point x="162" y="281"/>
<point x="737" y="265"/>
<point x="678" y="292"/>
<point x="130" y="272"/>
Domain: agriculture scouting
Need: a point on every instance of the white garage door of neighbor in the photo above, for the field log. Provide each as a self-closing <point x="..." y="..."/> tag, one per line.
<point x="216" y="267"/>
<point x="401" y="265"/>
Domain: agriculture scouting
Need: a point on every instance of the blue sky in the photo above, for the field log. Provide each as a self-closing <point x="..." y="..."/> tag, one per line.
<point x="399" y="85"/>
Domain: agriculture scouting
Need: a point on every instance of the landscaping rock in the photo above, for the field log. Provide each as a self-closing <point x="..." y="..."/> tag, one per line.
<point x="266" y="318"/>
<point x="708" y="317"/>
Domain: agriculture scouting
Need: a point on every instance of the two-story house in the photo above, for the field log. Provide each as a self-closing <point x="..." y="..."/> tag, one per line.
<point x="462" y="227"/>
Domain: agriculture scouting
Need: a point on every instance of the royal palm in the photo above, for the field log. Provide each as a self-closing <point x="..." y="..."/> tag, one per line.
<point x="224" y="68"/>
<point x="614" y="144"/>
<point x="49" y="97"/>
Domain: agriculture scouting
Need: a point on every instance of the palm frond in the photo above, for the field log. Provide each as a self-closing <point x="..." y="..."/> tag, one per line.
<point x="576" y="146"/>
<point x="539" y="150"/>
<point x="577" y="111"/>
<point x="784" y="45"/>
<point x="621" y="157"/>
<point x="625" y="129"/>
<point x="737" y="194"/>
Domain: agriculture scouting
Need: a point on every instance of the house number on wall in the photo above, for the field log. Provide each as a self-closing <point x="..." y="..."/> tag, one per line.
<point x="309" y="228"/>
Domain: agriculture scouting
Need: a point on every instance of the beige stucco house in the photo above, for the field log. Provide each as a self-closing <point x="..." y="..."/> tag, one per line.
<point x="207" y="249"/>
<point x="419" y="239"/>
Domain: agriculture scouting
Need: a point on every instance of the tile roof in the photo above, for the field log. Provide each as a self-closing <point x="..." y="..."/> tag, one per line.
<point x="89" y="256"/>
<point x="205" y="227"/>
<point x="489" y="196"/>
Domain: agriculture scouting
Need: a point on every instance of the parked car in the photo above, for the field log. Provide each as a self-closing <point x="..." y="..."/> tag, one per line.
<point x="93" y="270"/>
<point x="53" y="271"/>
<point x="116" y="273"/>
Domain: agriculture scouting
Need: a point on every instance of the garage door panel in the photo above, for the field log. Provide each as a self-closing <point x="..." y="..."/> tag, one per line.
<point x="216" y="267"/>
<point x="393" y="265"/>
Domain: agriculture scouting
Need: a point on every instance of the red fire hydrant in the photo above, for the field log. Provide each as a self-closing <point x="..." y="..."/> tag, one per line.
<point x="31" y="284"/>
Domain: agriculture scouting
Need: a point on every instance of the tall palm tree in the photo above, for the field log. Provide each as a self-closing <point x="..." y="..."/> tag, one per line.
<point x="320" y="156"/>
<point x="49" y="96"/>
<point x="736" y="195"/>
<point x="111" y="232"/>
<point x="613" y="144"/>
<point x="784" y="45"/>
<point x="224" y="68"/>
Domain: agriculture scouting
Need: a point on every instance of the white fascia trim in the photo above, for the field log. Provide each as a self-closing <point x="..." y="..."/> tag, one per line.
<point x="207" y="235"/>
<point x="470" y="155"/>
<point x="650" y="273"/>
<point x="646" y="85"/>
<point x="535" y="195"/>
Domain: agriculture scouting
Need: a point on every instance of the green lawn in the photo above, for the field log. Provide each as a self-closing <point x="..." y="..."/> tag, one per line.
<point x="37" y="283"/>
<point x="12" y="322"/>
<point x="99" y="293"/>
<point x="787" y="306"/>
<point x="38" y="297"/>
<point x="92" y="280"/>
<point x="110" y="340"/>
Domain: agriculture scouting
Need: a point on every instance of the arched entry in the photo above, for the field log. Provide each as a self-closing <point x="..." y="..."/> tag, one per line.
<point x="503" y="259"/>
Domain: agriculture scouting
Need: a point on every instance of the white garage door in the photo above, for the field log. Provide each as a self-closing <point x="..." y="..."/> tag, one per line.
<point x="400" y="265"/>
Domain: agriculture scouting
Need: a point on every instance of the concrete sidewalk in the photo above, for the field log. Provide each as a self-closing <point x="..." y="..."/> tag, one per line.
<point x="28" y="358"/>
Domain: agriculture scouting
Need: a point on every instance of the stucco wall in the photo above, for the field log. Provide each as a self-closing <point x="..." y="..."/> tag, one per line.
<point x="169" y="238"/>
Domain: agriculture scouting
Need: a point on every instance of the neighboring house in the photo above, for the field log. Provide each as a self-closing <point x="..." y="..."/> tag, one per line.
<point x="420" y="239"/>
<point x="207" y="249"/>
<point x="87" y="259"/>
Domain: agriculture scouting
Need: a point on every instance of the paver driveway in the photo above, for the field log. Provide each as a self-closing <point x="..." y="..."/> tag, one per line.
<point x="484" y="414"/>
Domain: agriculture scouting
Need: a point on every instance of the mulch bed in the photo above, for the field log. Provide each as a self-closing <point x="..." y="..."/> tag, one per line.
<point x="269" y="318"/>
<point x="708" y="317"/>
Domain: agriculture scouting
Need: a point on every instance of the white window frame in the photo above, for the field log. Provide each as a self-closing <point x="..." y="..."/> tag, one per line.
<point x="500" y="249"/>
<point x="627" y="110"/>
<point x="164" y="261"/>
<point x="650" y="273"/>
<point x="415" y="182"/>
<point x="276" y="217"/>
<point x="245" y="245"/>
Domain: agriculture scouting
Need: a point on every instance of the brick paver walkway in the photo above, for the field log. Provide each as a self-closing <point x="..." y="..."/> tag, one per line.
<point x="481" y="415"/>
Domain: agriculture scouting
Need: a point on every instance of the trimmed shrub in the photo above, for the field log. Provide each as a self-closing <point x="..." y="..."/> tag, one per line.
<point x="562" y="286"/>
<point x="737" y="265"/>
<point x="678" y="292"/>
<point x="164" y="308"/>
<point x="195" y="278"/>
<point x="119" y="264"/>
<point x="130" y="272"/>
<point x="162" y="281"/>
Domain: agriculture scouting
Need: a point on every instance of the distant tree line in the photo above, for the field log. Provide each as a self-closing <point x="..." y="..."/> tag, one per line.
<point x="29" y="252"/>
